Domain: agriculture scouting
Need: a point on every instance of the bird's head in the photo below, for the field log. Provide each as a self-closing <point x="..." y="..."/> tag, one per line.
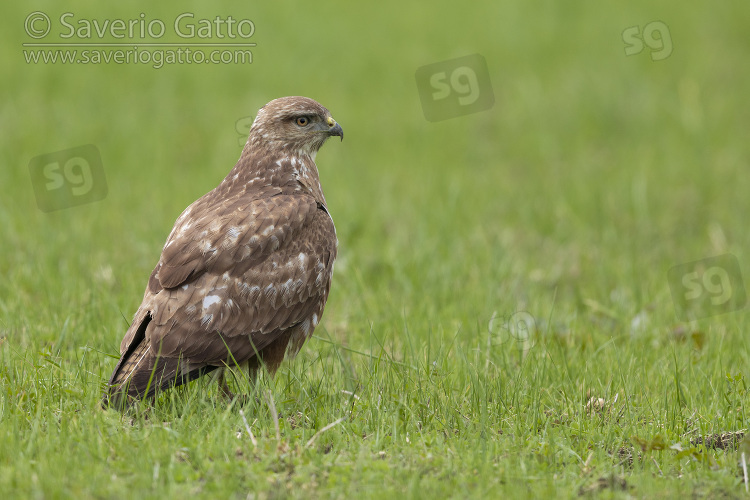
<point x="295" y="124"/>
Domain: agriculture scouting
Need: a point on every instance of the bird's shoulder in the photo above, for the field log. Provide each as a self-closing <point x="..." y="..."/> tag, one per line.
<point x="216" y="234"/>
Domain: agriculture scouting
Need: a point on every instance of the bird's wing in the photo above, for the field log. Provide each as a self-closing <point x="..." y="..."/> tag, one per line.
<point x="216" y="231"/>
<point x="239" y="274"/>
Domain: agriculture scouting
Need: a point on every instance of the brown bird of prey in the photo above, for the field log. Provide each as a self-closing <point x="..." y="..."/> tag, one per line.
<point x="245" y="272"/>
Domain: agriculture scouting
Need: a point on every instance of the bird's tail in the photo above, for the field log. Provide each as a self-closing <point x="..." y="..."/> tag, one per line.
<point x="142" y="373"/>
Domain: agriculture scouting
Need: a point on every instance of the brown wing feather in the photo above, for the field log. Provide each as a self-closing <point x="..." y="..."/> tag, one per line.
<point x="256" y="297"/>
<point x="280" y="280"/>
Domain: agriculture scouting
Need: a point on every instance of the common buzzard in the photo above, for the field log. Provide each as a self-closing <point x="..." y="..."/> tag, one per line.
<point x="245" y="272"/>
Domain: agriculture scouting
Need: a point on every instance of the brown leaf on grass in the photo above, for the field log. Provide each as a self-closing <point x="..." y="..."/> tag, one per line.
<point x="297" y="420"/>
<point x="613" y="482"/>
<point x="723" y="441"/>
<point x="555" y="418"/>
<point x="624" y="456"/>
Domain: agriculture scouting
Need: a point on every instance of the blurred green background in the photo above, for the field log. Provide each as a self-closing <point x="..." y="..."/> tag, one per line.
<point x="592" y="175"/>
<point x="593" y="172"/>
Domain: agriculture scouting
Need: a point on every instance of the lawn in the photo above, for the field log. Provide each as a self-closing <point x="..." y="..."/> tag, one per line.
<point x="538" y="294"/>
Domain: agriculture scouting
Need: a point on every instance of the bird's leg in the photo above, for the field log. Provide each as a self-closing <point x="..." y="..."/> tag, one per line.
<point x="242" y="399"/>
<point x="253" y="365"/>
<point x="223" y="386"/>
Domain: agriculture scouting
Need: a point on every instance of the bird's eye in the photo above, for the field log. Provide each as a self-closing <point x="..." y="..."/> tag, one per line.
<point x="302" y="121"/>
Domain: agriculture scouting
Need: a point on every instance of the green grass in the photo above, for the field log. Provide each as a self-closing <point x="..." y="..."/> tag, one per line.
<point x="593" y="174"/>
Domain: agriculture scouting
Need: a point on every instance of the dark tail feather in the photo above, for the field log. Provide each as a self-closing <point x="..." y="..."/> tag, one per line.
<point x="142" y="373"/>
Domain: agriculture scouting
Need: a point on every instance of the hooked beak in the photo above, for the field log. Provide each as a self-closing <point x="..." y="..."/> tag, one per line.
<point x="334" y="128"/>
